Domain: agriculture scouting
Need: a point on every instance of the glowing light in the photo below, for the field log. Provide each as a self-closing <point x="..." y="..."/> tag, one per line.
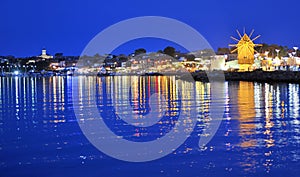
<point x="16" y="72"/>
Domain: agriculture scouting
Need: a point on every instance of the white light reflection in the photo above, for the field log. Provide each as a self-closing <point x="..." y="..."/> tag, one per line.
<point x="258" y="95"/>
<point x="17" y="104"/>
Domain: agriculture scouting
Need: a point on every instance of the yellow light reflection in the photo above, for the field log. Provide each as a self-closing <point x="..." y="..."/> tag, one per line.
<point x="246" y="109"/>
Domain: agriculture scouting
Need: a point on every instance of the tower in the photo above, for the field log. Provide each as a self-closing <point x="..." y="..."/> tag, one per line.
<point x="44" y="51"/>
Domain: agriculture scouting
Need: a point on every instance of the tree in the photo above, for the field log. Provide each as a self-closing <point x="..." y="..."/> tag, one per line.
<point x="42" y="65"/>
<point x="58" y="55"/>
<point x="190" y="57"/>
<point x="170" y="51"/>
<point x="97" y="55"/>
<point x="139" y="51"/>
<point x="272" y="49"/>
<point x="223" y="51"/>
<point x="122" y="58"/>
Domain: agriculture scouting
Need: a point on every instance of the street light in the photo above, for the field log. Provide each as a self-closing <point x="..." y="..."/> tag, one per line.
<point x="268" y="61"/>
<point x="295" y="48"/>
<point x="277" y="51"/>
<point x="293" y="56"/>
<point x="25" y="68"/>
<point x="267" y="54"/>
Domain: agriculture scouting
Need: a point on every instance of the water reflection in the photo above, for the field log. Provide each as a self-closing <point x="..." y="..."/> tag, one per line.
<point x="142" y="108"/>
<point x="267" y="116"/>
<point x="31" y="112"/>
<point x="246" y="110"/>
<point x="260" y="134"/>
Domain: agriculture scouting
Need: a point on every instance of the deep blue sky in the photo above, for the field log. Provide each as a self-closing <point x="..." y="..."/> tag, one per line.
<point x="67" y="26"/>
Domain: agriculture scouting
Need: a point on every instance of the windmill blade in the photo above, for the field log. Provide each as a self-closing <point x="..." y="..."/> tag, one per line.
<point x="256" y="38"/>
<point x="244" y="30"/>
<point x="239" y="34"/>
<point x="250" y="48"/>
<point x="234" y="50"/>
<point x="251" y="33"/>
<point x="232" y="45"/>
<point x="234" y="38"/>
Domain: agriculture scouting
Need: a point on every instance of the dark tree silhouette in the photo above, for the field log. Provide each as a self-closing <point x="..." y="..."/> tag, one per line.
<point x="190" y="57"/>
<point x="223" y="51"/>
<point x="170" y="51"/>
<point x="139" y="51"/>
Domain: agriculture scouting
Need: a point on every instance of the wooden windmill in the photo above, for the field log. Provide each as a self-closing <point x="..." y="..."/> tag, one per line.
<point x="245" y="49"/>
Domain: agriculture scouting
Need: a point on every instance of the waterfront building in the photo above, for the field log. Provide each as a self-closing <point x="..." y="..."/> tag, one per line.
<point x="218" y="62"/>
<point x="57" y="65"/>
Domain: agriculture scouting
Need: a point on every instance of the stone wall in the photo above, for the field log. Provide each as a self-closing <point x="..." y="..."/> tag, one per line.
<point x="258" y="76"/>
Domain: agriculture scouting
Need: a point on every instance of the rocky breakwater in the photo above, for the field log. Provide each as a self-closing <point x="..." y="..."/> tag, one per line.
<point x="254" y="76"/>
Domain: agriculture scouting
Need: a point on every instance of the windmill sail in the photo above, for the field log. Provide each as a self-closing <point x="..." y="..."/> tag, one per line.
<point x="239" y="33"/>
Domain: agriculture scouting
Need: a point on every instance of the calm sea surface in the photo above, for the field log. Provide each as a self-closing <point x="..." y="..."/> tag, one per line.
<point x="259" y="134"/>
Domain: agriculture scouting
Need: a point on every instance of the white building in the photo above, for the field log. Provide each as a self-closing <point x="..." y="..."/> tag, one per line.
<point x="218" y="62"/>
<point x="44" y="54"/>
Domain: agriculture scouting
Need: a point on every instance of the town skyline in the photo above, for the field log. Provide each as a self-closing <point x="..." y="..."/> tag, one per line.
<point x="177" y="49"/>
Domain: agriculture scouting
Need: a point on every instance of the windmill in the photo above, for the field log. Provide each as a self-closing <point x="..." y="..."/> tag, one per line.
<point x="245" y="49"/>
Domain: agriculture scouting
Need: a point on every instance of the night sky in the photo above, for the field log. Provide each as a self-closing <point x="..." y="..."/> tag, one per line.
<point x="67" y="26"/>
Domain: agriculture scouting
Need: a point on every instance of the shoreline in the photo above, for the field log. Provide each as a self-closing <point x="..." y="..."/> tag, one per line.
<point x="206" y="76"/>
<point x="250" y="76"/>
